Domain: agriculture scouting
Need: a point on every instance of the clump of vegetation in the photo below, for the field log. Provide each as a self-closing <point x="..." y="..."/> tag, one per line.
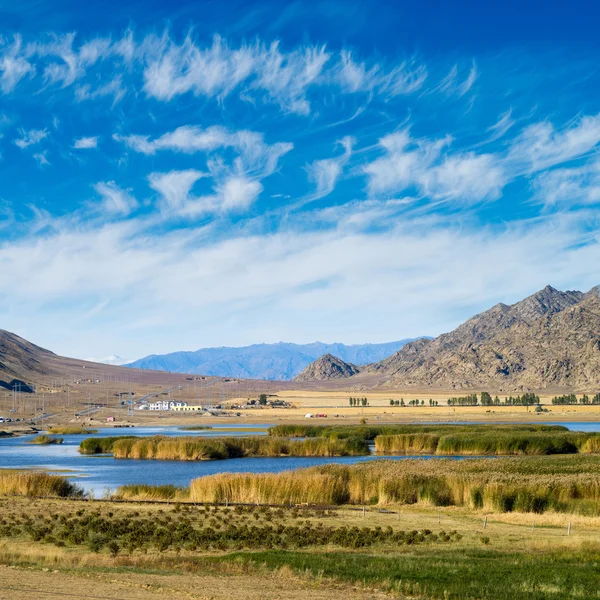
<point x="70" y="430"/>
<point x="152" y="492"/>
<point x="527" y="484"/>
<point x="194" y="448"/>
<point x="28" y="483"/>
<point x="370" y="432"/>
<point x="45" y="440"/>
<point x="101" y="445"/>
<point x="196" y="428"/>
<point x="489" y="442"/>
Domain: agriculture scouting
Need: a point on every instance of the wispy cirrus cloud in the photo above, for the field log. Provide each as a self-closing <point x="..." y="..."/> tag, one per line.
<point x="115" y="201"/>
<point x="540" y="145"/>
<point x="30" y="137"/>
<point x="325" y="173"/>
<point x="433" y="170"/>
<point x="165" y="68"/>
<point x="13" y="65"/>
<point x="569" y="186"/>
<point x="254" y="151"/>
<point x="175" y="197"/>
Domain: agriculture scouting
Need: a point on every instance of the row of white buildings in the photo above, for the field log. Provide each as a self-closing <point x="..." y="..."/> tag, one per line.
<point x="163" y="405"/>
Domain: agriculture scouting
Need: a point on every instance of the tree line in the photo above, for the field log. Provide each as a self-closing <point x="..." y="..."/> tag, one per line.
<point x="572" y="399"/>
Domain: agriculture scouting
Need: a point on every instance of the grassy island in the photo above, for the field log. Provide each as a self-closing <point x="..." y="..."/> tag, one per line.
<point x="195" y="448"/>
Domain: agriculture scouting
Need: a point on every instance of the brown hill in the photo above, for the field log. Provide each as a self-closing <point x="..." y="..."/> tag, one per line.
<point x="327" y="367"/>
<point x="549" y="340"/>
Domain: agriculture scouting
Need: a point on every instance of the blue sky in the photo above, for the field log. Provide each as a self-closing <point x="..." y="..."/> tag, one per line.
<point x="230" y="173"/>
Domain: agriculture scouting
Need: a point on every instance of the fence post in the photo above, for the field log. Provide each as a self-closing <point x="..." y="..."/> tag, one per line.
<point x="485" y="521"/>
<point x="569" y="529"/>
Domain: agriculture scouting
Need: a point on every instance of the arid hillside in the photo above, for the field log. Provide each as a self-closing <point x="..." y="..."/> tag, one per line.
<point x="548" y="340"/>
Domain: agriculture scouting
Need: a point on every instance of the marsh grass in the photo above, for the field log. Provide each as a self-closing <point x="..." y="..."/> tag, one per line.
<point x="195" y="448"/>
<point x="100" y="445"/>
<point x="44" y="440"/>
<point x="370" y="432"/>
<point x="33" y="484"/>
<point x="527" y="484"/>
<point x="489" y="442"/>
<point x="153" y="492"/>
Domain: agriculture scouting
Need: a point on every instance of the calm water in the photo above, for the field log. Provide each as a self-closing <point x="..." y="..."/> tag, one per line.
<point x="101" y="473"/>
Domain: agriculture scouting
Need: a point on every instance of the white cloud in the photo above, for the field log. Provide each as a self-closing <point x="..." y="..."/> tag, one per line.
<point x="567" y="187"/>
<point x="255" y="153"/>
<point x="13" y="65"/>
<point x="430" y="168"/>
<point x="114" y="88"/>
<point x="85" y="143"/>
<point x="30" y="138"/>
<point x="189" y="139"/>
<point x="173" y="69"/>
<point x="451" y="84"/>
<point x="231" y="193"/>
<point x="400" y="281"/>
<point x="540" y="146"/>
<point x="262" y="71"/>
<point x="115" y="201"/>
<point x="326" y="172"/>
<point x="238" y="193"/>
<point x="175" y="189"/>
<point x="501" y="126"/>
<point x="42" y="158"/>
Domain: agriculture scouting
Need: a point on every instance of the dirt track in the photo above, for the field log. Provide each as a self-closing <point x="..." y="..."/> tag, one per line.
<point x="28" y="584"/>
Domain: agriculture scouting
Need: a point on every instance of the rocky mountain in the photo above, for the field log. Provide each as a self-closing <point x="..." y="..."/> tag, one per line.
<point x="281" y="361"/>
<point x="327" y="367"/>
<point x="548" y="340"/>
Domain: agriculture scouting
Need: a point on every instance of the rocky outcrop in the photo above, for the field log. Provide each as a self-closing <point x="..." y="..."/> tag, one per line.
<point x="327" y="367"/>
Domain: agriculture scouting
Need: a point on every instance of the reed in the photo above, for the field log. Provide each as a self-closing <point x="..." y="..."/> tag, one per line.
<point x="70" y="430"/>
<point x="44" y="440"/>
<point x="407" y="443"/>
<point x="525" y="484"/>
<point x="194" y="448"/>
<point x="100" y="445"/>
<point x="369" y="432"/>
<point x="33" y="484"/>
<point x="499" y="443"/>
<point x="152" y="492"/>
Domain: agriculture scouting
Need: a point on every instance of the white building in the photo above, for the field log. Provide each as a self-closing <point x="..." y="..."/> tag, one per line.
<point x="165" y="405"/>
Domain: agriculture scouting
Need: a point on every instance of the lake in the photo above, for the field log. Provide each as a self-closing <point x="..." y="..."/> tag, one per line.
<point x="98" y="474"/>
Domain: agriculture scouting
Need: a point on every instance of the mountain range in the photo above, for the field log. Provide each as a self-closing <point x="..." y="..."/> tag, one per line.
<point x="281" y="361"/>
<point x="550" y="339"/>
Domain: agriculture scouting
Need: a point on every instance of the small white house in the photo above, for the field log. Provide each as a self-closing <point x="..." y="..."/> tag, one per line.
<point x="165" y="405"/>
